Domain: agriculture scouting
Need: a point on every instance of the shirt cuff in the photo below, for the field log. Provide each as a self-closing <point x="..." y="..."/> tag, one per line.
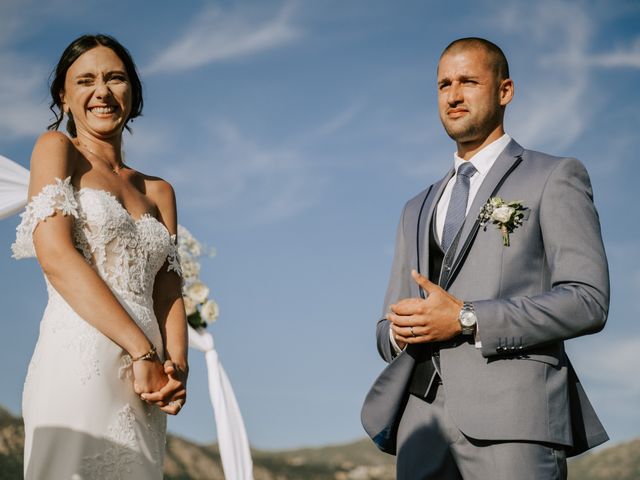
<point x="476" y="336"/>
<point x="395" y="346"/>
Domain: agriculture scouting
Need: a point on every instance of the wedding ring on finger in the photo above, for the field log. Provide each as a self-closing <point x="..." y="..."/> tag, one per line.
<point x="175" y="403"/>
<point x="412" y="333"/>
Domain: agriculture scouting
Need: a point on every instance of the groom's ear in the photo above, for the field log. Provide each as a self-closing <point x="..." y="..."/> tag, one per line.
<point x="506" y="91"/>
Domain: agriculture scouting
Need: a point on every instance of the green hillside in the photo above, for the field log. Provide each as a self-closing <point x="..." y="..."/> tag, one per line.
<point x="358" y="460"/>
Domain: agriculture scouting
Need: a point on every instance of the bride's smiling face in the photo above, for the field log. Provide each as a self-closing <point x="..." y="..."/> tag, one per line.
<point x="97" y="92"/>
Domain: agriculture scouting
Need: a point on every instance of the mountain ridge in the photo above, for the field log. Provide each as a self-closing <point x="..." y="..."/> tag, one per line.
<point x="357" y="460"/>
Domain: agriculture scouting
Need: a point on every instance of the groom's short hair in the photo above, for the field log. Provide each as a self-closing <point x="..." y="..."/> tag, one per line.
<point x="496" y="55"/>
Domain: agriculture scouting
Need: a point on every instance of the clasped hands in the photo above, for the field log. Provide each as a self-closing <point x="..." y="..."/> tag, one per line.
<point x="420" y="320"/>
<point x="164" y="385"/>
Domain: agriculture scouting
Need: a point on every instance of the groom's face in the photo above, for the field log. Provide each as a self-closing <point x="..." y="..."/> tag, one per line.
<point x="469" y="98"/>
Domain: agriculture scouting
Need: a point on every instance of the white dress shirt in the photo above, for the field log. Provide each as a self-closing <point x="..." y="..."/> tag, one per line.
<point x="483" y="160"/>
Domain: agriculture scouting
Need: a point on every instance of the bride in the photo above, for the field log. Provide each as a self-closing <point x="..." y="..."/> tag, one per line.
<point x="111" y="358"/>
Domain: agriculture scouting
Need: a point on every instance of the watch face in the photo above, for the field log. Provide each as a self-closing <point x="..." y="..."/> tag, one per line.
<point x="468" y="319"/>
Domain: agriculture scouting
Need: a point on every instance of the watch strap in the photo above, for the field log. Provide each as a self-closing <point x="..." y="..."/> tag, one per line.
<point x="467" y="307"/>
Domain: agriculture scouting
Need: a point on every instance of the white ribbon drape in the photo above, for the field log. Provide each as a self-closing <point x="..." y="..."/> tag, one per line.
<point x="232" y="436"/>
<point x="14" y="184"/>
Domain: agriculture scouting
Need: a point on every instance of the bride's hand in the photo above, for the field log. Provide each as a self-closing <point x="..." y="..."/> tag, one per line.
<point x="148" y="376"/>
<point x="173" y="395"/>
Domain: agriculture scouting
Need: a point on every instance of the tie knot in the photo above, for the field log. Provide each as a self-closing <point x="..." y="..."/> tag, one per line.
<point x="467" y="169"/>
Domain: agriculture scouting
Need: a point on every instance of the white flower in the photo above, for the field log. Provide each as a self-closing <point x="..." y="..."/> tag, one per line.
<point x="502" y="214"/>
<point x="495" y="202"/>
<point x="210" y="311"/>
<point x="189" y="305"/>
<point x="190" y="268"/>
<point x="199" y="308"/>
<point x="198" y="292"/>
<point x="189" y="243"/>
<point x="507" y="216"/>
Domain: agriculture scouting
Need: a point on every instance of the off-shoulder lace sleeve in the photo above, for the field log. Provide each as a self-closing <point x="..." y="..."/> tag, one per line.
<point x="173" y="257"/>
<point x="55" y="197"/>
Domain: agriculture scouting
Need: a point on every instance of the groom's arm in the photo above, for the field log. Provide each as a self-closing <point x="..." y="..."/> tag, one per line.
<point x="399" y="287"/>
<point x="578" y="301"/>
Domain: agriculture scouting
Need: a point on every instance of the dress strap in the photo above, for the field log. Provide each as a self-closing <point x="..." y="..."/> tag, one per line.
<point x="53" y="198"/>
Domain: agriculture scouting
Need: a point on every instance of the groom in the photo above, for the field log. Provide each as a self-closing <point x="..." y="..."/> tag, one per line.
<point x="476" y="313"/>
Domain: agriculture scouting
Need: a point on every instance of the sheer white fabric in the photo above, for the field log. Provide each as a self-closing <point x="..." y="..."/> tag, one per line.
<point x="14" y="183"/>
<point x="83" y="419"/>
<point x="232" y="436"/>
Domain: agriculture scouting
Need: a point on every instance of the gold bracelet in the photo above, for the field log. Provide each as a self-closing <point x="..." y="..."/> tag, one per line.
<point x="146" y="356"/>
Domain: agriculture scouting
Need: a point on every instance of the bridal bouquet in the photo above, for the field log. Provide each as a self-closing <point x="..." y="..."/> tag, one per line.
<point x="201" y="309"/>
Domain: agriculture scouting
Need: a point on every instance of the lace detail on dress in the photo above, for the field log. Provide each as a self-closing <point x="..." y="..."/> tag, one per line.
<point x="156" y="425"/>
<point x="85" y="343"/>
<point x="58" y="196"/>
<point x="72" y="334"/>
<point x="126" y="362"/>
<point x="115" y="461"/>
<point x="126" y="252"/>
<point x="173" y="257"/>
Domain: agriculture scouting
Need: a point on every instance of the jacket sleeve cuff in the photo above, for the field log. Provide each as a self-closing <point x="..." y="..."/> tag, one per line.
<point x="396" y="349"/>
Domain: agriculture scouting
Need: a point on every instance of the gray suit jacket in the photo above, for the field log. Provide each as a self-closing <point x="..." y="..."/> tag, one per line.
<point x="549" y="285"/>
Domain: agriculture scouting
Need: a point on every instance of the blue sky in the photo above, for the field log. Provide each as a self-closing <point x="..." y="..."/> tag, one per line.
<point x="293" y="132"/>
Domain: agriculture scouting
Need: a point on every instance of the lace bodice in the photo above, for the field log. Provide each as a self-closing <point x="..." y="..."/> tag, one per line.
<point x="126" y="252"/>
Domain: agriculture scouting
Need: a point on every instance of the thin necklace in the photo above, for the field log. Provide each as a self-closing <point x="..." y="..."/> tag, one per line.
<point x="115" y="170"/>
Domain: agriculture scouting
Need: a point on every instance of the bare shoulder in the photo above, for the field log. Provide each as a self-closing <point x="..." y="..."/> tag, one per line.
<point x="163" y="195"/>
<point x="54" y="156"/>
<point x="159" y="190"/>
<point x="55" y="146"/>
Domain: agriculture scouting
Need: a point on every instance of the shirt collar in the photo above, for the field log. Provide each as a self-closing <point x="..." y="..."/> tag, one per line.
<point x="484" y="159"/>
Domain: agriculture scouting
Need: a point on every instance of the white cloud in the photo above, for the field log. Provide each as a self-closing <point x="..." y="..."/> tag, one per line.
<point x="23" y="79"/>
<point x="337" y="122"/>
<point x="22" y="94"/>
<point x="218" y="35"/>
<point x="607" y="367"/>
<point x="552" y="112"/>
<point x="625" y="277"/>
<point x="341" y="120"/>
<point x="12" y="23"/>
<point x="612" y="367"/>
<point x="263" y="184"/>
<point x="621" y="57"/>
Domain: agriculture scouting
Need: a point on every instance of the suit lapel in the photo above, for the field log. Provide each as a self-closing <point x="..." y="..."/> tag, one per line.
<point x="502" y="167"/>
<point x="422" y="245"/>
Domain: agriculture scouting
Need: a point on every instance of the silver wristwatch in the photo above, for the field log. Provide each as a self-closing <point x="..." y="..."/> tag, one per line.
<point x="467" y="318"/>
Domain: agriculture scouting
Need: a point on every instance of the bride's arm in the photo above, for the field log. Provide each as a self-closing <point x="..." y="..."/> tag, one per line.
<point x="69" y="273"/>
<point x="169" y="306"/>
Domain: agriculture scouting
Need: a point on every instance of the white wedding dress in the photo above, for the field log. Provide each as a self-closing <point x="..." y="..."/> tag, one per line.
<point x="83" y="420"/>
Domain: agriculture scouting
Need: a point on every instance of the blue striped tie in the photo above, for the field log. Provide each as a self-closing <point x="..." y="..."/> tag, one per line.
<point x="457" y="209"/>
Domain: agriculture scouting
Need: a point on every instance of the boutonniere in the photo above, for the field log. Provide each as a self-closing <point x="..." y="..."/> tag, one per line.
<point x="507" y="216"/>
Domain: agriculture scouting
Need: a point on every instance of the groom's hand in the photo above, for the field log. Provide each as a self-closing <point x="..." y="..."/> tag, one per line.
<point x="173" y="395"/>
<point x="418" y="320"/>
